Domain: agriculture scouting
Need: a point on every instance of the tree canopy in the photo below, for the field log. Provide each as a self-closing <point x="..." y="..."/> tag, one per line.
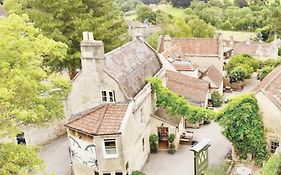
<point x="64" y="21"/>
<point x="30" y="93"/>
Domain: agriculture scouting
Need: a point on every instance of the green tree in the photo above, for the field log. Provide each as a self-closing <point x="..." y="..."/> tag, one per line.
<point x="264" y="72"/>
<point x="200" y="29"/>
<point x="216" y="99"/>
<point x="242" y="125"/>
<point x="179" y="28"/>
<point x="247" y="61"/>
<point x="144" y="12"/>
<point x="30" y="93"/>
<point x="275" y="21"/>
<point x="64" y="21"/>
<point x="239" y="73"/>
<point x="212" y="15"/>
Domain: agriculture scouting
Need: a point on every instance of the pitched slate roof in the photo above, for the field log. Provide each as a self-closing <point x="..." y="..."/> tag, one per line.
<point x="131" y="64"/>
<point x="214" y="75"/>
<point x="192" y="46"/>
<point x="193" y="89"/>
<point x="184" y="65"/>
<point x="271" y="86"/>
<point x="101" y="120"/>
<point x="167" y="117"/>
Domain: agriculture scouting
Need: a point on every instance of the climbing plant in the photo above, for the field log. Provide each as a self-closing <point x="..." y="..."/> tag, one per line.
<point x="242" y="125"/>
<point x="176" y="104"/>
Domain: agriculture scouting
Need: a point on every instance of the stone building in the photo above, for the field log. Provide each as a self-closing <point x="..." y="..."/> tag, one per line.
<point x="214" y="77"/>
<point x="268" y="94"/>
<point x="111" y="107"/>
<point x="204" y="52"/>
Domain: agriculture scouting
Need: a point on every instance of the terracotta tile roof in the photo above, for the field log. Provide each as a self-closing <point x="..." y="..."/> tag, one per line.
<point x="271" y="86"/>
<point x="243" y="48"/>
<point x="131" y="64"/>
<point x="214" y="75"/>
<point x="193" y="46"/>
<point x="192" y="89"/>
<point x="167" y="117"/>
<point x="184" y="65"/>
<point x="101" y="120"/>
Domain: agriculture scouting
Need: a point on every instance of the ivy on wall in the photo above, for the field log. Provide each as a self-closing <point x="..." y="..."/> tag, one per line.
<point x="176" y="104"/>
<point x="242" y="125"/>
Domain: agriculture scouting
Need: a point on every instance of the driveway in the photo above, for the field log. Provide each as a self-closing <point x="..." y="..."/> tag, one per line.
<point x="181" y="163"/>
<point x="56" y="156"/>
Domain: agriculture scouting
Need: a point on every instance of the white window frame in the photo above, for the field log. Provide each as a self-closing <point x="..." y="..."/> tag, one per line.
<point x="109" y="99"/>
<point x="110" y="156"/>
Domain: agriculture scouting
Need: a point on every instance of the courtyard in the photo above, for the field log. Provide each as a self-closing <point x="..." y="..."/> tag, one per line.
<point x="181" y="162"/>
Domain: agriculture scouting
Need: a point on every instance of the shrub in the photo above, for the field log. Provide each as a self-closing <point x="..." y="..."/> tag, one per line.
<point x="153" y="140"/>
<point x="216" y="99"/>
<point x="264" y="72"/>
<point x="137" y="173"/>
<point x="171" y="138"/>
<point x="279" y="51"/>
<point x="272" y="166"/>
<point x="239" y="73"/>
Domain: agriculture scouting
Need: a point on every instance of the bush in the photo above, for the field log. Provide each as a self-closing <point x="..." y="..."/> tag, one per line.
<point x="279" y="51"/>
<point x="249" y="62"/>
<point x="153" y="140"/>
<point x="216" y="99"/>
<point x="264" y="72"/>
<point x="272" y="166"/>
<point x="171" y="138"/>
<point x="137" y="173"/>
<point x="239" y="73"/>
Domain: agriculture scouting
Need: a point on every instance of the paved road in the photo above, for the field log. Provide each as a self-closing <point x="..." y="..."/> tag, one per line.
<point x="56" y="156"/>
<point x="181" y="163"/>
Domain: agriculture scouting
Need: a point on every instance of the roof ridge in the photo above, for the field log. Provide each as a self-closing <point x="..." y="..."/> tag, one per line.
<point x="277" y="75"/>
<point x="95" y="130"/>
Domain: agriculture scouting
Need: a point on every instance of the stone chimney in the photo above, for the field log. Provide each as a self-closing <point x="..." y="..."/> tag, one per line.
<point x="167" y="42"/>
<point x="220" y="42"/>
<point x="92" y="56"/>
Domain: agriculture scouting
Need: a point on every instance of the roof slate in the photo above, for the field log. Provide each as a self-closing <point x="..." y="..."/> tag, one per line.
<point x="131" y="64"/>
<point x="193" y="89"/>
<point x="166" y="116"/>
<point x="184" y="65"/>
<point x="101" y="120"/>
<point x="271" y="86"/>
<point x="214" y="75"/>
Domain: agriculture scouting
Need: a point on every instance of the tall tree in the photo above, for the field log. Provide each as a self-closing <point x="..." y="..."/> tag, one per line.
<point x="30" y="93"/>
<point x="65" y="20"/>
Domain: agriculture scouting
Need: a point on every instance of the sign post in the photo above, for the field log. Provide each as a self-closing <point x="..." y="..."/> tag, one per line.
<point x="201" y="156"/>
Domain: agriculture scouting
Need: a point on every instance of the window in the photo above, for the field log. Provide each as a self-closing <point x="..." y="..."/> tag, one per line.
<point x="103" y="96"/>
<point x="106" y="173"/>
<point x="118" y="173"/>
<point x="142" y="144"/>
<point x="21" y="139"/>
<point x="108" y="96"/>
<point x="274" y="146"/>
<point x="111" y="96"/>
<point x="142" y="115"/>
<point x="110" y="149"/>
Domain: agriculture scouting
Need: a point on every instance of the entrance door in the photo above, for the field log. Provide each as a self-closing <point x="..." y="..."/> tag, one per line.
<point x="163" y="137"/>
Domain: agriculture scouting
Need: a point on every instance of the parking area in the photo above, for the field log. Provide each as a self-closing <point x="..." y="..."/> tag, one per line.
<point x="181" y="163"/>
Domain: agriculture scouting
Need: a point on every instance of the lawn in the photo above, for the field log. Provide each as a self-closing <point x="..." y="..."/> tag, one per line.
<point x="238" y="36"/>
<point x="175" y="12"/>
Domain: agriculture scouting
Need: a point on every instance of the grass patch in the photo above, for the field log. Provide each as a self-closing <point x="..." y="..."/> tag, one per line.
<point x="238" y="36"/>
<point x="169" y="9"/>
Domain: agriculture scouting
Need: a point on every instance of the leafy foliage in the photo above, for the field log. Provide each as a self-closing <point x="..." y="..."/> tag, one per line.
<point x="180" y="3"/>
<point x="65" y="21"/>
<point x="216" y="99"/>
<point x="153" y="141"/>
<point x="30" y="93"/>
<point x="137" y="173"/>
<point x="264" y="72"/>
<point x="145" y="13"/>
<point x="18" y="159"/>
<point x="272" y="166"/>
<point x="177" y="105"/>
<point x="242" y="125"/>
<point x="239" y="73"/>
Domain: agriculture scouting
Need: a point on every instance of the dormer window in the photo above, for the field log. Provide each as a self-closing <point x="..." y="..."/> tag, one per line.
<point x="108" y="96"/>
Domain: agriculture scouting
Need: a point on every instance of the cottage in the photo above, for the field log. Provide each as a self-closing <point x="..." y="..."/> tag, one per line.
<point x="214" y="77"/>
<point x="201" y="51"/>
<point x="268" y="94"/>
<point x="111" y="108"/>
